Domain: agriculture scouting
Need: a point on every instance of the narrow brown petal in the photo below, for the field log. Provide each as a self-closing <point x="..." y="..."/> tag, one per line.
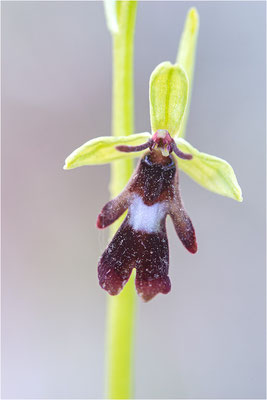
<point x="182" y="223"/>
<point x="179" y="153"/>
<point x="129" y="149"/>
<point x="183" y="226"/>
<point x="113" y="210"/>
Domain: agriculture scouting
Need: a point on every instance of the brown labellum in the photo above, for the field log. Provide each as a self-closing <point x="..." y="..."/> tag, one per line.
<point x="141" y="242"/>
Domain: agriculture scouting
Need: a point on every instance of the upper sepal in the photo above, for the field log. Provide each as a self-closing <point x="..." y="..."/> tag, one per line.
<point x="213" y="173"/>
<point x="168" y="95"/>
<point x="102" y="150"/>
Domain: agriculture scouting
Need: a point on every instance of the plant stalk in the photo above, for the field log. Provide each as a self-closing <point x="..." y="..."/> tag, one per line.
<point x="121" y="308"/>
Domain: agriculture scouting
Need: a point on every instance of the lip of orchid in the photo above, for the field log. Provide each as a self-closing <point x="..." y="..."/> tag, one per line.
<point x="141" y="242"/>
<point x="160" y="140"/>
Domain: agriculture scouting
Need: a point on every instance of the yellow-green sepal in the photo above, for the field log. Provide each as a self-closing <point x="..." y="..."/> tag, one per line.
<point x="168" y="96"/>
<point x="211" y="172"/>
<point x="102" y="150"/>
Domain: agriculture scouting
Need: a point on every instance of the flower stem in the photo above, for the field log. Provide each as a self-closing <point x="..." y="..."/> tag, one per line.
<point x="121" y="308"/>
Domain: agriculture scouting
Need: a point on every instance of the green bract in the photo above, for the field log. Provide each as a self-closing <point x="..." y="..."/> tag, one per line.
<point x="168" y="97"/>
<point x="186" y="56"/>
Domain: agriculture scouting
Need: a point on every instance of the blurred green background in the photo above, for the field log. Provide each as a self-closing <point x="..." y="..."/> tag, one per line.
<point x="206" y="339"/>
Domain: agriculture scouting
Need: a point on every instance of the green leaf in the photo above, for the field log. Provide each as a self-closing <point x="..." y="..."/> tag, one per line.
<point x="102" y="150"/>
<point x="111" y="15"/>
<point x="186" y="56"/>
<point x="211" y="172"/>
<point x="168" y="97"/>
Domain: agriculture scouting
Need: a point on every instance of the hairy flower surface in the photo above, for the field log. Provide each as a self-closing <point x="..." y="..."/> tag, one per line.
<point x="141" y="242"/>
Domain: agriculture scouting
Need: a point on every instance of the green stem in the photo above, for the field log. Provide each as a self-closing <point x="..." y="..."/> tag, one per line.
<point x="121" y="308"/>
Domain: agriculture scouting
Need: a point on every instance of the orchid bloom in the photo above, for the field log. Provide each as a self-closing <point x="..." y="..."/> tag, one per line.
<point x="141" y="241"/>
<point x="153" y="190"/>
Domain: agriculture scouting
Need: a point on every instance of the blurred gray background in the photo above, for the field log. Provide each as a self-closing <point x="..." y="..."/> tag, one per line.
<point x="206" y="339"/>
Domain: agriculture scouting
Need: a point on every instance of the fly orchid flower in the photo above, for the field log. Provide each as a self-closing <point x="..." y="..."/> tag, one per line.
<point x="141" y="242"/>
<point x="153" y="190"/>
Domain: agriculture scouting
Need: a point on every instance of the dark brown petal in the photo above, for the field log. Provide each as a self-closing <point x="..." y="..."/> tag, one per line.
<point x="113" y="279"/>
<point x="129" y="149"/>
<point x="153" y="181"/>
<point x="129" y="249"/>
<point x="183" y="226"/>
<point x="152" y="265"/>
<point x="149" y="289"/>
<point x="179" y="153"/>
<point x="116" y="264"/>
<point x="113" y="210"/>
